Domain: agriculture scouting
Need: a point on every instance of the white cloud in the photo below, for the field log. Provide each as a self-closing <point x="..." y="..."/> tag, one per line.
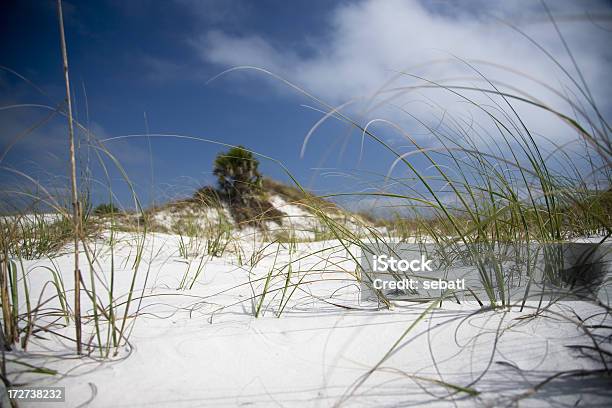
<point x="367" y="43"/>
<point x="224" y="49"/>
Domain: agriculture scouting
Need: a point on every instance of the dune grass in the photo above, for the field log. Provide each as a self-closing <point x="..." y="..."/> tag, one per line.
<point x="508" y="190"/>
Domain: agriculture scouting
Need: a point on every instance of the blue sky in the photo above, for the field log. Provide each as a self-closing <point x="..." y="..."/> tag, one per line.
<point x="136" y="58"/>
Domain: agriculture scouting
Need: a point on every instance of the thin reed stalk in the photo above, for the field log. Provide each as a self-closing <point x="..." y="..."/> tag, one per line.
<point x="74" y="189"/>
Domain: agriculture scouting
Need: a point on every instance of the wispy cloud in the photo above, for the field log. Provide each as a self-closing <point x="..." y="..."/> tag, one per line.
<point x="367" y="43"/>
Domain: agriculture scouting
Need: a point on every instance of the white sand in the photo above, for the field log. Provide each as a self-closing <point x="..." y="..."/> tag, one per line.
<point x="314" y="353"/>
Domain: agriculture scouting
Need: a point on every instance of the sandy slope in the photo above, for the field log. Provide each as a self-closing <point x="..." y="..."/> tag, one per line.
<point x="203" y="347"/>
<point x="298" y="218"/>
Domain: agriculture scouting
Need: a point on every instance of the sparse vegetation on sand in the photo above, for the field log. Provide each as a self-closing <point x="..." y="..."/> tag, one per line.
<point x="261" y="277"/>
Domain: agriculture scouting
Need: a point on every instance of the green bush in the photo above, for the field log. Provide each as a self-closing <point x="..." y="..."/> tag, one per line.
<point x="238" y="174"/>
<point x="105" y="209"/>
<point x="241" y="186"/>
